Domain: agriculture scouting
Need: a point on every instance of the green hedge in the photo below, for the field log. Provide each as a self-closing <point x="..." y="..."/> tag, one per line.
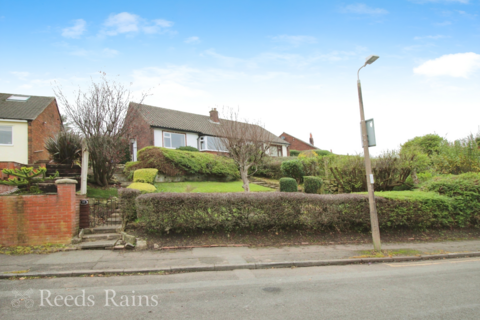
<point x="127" y="198"/>
<point x="464" y="189"/>
<point x="293" y="169"/>
<point x="322" y="152"/>
<point x="145" y="175"/>
<point x="165" y="212"/>
<point x="288" y="185"/>
<point x="188" y="148"/>
<point x="173" y="162"/>
<point x="312" y="184"/>
<point x="294" y="153"/>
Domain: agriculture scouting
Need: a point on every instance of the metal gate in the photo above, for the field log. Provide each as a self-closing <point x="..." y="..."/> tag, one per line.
<point x="104" y="212"/>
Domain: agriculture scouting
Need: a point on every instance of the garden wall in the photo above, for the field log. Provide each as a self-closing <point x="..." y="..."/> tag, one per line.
<point x="40" y="219"/>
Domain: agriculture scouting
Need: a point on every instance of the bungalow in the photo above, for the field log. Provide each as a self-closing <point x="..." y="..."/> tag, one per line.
<point x="154" y="126"/>
<point x="297" y="144"/>
<point x="25" y="123"/>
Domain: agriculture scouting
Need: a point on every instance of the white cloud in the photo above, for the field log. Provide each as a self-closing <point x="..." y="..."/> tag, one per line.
<point x="105" y="53"/>
<point x="192" y="40"/>
<point x="459" y="65"/>
<point x="294" y="40"/>
<point x="442" y="24"/>
<point x="361" y="8"/>
<point x="21" y="75"/>
<point x="78" y="28"/>
<point x="438" y="36"/>
<point x="129" y="23"/>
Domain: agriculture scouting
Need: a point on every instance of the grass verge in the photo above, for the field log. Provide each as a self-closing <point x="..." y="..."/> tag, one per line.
<point x="207" y="187"/>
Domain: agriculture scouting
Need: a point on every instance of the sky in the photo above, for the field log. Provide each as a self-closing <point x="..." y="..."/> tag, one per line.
<point x="290" y="65"/>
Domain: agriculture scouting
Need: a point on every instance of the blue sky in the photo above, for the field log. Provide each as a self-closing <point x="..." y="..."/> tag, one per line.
<point x="289" y="64"/>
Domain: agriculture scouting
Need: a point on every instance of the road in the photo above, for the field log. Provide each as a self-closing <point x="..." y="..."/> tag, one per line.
<point x="437" y="289"/>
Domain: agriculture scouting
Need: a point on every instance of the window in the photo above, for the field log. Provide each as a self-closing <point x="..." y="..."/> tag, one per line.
<point x="275" y="151"/>
<point x="212" y="143"/>
<point x="173" y="140"/>
<point x="6" y="135"/>
<point x="17" y="98"/>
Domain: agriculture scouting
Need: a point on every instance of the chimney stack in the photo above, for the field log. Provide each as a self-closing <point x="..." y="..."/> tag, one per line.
<point x="214" y="115"/>
<point x="311" y="139"/>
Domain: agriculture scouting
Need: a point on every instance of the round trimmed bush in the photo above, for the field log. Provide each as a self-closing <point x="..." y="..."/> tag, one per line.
<point x="143" y="187"/>
<point x="288" y="185"/>
<point x="293" y="169"/>
<point x="312" y="184"/>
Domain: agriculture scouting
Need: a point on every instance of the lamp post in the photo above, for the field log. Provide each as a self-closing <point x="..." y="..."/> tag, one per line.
<point x="368" y="166"/>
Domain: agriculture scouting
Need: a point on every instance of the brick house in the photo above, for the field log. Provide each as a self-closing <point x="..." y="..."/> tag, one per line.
<point x="25" y="123"/>
<point x="297" y="144"/>
<point x="154" y="126"/>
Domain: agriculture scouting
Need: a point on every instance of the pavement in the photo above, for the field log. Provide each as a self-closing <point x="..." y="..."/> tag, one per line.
<point x="86" y="262"/>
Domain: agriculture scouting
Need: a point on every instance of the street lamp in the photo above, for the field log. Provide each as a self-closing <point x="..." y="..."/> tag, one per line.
<point x="368" y="166"/>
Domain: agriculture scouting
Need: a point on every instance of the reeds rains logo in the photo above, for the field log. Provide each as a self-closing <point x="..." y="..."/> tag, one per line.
<point x="22" y="298"/>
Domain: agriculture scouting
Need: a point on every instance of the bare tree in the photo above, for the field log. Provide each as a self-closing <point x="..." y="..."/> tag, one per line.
<point x="99" y="113"/>
<point x="246" y="142"/>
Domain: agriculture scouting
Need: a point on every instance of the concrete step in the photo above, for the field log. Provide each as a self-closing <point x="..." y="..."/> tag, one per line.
<point x="102" y="229"/>
<point x="115" y="215"/>
<point x="97" y="244"/>
<point x="100" y="236"/>
<point x="114" y="220"/>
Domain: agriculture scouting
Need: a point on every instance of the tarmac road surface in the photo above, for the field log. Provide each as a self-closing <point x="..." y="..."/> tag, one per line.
<point x="437" y="289"/>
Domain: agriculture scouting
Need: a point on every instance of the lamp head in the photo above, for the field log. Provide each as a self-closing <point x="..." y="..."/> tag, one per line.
<point x="371" y="59"/>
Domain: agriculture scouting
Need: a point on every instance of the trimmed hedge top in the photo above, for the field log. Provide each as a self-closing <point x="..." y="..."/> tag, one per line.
<point x="145" y="175"/>
<point x="143" y="187"/>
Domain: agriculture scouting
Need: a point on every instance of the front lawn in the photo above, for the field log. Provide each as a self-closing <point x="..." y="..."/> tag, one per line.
<point x="101" y="193"/>
<point x="207" y="187"/>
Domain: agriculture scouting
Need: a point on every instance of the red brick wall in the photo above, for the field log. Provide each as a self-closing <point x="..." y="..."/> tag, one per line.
<point x="296" y="144"/>
<point x="47" y="124"/>
<point x="39" y="219"/>
<point x="139" y="129"/>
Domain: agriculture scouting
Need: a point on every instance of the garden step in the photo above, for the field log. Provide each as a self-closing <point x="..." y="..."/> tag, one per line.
<point x="97" y="244"/>
<point x="102" y="229"/>
<point x="100" y="236"/>
<point x="114" y="220"/>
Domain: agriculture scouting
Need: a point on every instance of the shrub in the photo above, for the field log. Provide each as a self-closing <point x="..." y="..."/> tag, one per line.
<point x="312" y="184"/>
<point x="176" y="163"/>
<point x="23" y="177"/>
<point x="457" y="157"/>
<point x="288" y="185"/>
<point x="322" y="152"/>
<point x="145" y="175"/>
<point x="310" y="165"/>
<point x="294" y="153"/>
<point x="165" y="212"/>
<point x="65" y="147"/>
<point x="464" y="189"/>
<point x="188" y="148"/>
<point x="128" y="210"/>
<point x="293" y="169"/>
<point x="142" y="187"/>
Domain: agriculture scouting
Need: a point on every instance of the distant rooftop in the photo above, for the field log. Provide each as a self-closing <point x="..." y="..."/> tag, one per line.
<point x="22" y="107"/>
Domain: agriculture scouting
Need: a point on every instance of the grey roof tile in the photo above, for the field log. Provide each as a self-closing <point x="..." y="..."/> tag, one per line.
<point x="173" y="119"/>
<point x="23" y="110"/>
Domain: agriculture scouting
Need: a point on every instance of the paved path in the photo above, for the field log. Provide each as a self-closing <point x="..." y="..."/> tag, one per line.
<point x="91" y="260"/>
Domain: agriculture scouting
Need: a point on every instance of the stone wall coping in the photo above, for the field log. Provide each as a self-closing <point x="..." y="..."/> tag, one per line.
<point x="66" y="181"/>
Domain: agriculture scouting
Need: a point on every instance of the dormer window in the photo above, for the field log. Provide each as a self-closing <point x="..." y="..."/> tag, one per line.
<point x="18" y="98"/>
